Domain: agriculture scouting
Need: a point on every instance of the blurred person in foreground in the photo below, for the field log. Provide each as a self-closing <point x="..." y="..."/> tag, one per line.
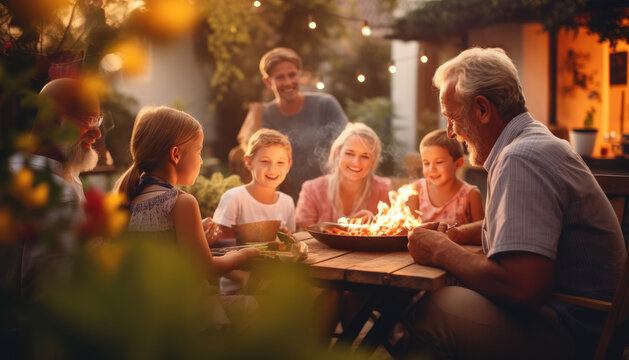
<point x="75" y="107"/>
<point x="40" y="249"/>
<point x="311" y="121"/>
<point x="548" y="228"/>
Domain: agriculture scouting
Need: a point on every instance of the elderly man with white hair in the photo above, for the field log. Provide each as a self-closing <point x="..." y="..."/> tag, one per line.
<point x="548" y="228"/>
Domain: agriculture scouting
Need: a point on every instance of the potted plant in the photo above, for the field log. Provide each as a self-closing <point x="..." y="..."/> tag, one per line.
<point x="583" y="139"/>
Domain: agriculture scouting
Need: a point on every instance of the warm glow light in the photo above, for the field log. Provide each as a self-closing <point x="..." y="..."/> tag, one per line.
<point x="365" y="30"/>
<point x="257" y="3"/>
<point x="111" y="63"/>
<point x="390" y="220"/>
<point x="361" y="78"/>
<point x="311" y="23"/>
<point x="392" y="68"/>
<point x="167" y="19"/>
<point x="320" y="85"/>
<point x="423" y="59"/>
<point x="131" y="53"/>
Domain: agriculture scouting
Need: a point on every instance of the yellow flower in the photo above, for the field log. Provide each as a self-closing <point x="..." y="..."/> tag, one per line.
<point x="113" y="201"/>
<point x="167" y="19"/>
<point x="23" y="190"/>
<point x="117" y="218"/>
<point x="95" y="84"/>
<point x="38" y="196"/>
<point x="26" y="142"/>
<point x="109" y="256"/>
<point x="117" y="222"/>
<point x="22" y="182"/>
<point x="133" y="56"/>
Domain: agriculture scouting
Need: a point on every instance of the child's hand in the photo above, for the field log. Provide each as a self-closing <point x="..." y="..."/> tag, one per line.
<point x="212" y="230"/>
<point x="250" y="252"/>
<point x="285" y="230"/>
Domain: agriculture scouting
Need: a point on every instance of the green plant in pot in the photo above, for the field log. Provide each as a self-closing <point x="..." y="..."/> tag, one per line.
<point x="582" y="79"/>
<point x="583" y="139"/>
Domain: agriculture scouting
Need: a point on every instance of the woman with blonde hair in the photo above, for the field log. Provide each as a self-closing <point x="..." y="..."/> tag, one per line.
<point x="350" y="188"/>
<point x="166" y="148"/>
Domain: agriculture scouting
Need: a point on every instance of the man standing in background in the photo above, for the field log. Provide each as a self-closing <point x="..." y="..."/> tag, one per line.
<point x="311" y="121"/>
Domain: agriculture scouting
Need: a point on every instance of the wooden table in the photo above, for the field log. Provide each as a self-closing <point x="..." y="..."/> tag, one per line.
<point x="395" y="269"/>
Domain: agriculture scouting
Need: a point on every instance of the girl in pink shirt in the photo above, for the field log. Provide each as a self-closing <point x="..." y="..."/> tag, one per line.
<point x="441" y="195"/>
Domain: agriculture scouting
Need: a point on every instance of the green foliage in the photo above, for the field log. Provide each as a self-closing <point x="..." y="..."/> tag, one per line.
<point x="209" y="191"/>
<point x="140" y="298"/>
<point x="367" y="56"/>
<point x="52" y="27"/>
<point x="438" y="20"/>
<point x="589" y="118"/>
<point x="239" y="34"/>
<point x="377" y="113"/>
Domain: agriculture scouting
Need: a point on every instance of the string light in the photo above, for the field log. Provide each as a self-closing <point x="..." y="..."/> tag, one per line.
<point x="365" y="29"/>
<point x="320" y="85"/>
<point x="423" y="59"/>
<point x="392" y="68"/>
<point x="257" y="3"/>
<point x="361" y="78"/>
<point x="311" y="23"/>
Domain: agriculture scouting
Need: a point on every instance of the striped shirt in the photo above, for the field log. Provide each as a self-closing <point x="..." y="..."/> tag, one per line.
<point x="543" y="199"/>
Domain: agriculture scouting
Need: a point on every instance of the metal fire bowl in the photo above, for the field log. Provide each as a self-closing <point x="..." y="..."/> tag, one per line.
<point x="357" y="243"/>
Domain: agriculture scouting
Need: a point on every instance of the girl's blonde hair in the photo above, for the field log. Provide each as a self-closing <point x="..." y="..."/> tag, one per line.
<point x="367" y="135"/>
<point x="156" y="130"/>
<point x="267" y="137"/>
<point x="440" y="138"/>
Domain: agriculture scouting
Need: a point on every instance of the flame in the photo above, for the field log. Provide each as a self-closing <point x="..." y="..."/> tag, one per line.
<point x="390" y="220"/>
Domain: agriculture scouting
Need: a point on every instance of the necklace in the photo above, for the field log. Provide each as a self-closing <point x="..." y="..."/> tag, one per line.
<point x="161" y="179"/>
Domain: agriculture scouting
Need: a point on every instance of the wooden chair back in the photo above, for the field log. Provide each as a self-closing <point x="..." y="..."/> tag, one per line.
<point x="615" y="335"/>
<point x="616" y="187"/>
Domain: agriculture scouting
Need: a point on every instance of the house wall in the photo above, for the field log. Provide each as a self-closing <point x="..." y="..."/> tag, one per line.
<point x="173" y="77"/>
<point x="404" y="92"/>
<point x="527" y="45"/>
<point x="573" y="102"/>
<point x="616" y="93"/>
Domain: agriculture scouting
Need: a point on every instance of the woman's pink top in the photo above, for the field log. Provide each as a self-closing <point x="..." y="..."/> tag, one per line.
<point x="456" y="210"/>
<point x="313" y="205"/>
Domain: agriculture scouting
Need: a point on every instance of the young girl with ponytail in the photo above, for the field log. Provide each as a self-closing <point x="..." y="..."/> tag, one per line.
<point x="166" y="148"/>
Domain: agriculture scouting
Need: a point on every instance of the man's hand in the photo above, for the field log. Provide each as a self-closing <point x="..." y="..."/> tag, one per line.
<point x="424" y="242"/>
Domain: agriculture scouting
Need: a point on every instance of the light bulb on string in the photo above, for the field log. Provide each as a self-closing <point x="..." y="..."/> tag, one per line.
<point x="320" y="85"/>
<point x="392" y="68"/>
<point x="365" y="29"/>
<point x="257" y="3"/>
<point x="311" y="23"/>
<point x="423" y="59"/>
<point x="361" y="78"/>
